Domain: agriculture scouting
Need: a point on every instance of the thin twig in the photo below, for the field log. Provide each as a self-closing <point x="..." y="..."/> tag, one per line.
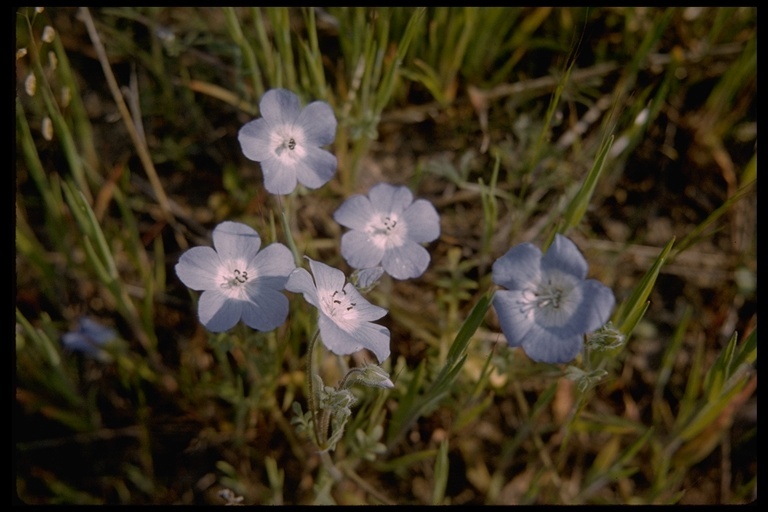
<point x="84" y="14"/>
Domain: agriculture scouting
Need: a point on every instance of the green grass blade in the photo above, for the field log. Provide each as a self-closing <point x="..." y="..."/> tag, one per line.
<point x="629" y="313"/>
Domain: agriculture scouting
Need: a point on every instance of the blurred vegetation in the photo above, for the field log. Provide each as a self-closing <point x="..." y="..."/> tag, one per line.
<point x="631" y="130"/>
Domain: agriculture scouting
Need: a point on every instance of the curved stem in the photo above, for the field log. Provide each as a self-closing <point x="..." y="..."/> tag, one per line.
<point x="345" y="379"/>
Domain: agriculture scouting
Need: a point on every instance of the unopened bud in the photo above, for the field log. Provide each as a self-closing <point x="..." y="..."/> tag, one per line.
<point x="608" y="337"/>
<point x="365" y="279"/>
<point x="370" y="375"/>
<point x="584" y="380"/>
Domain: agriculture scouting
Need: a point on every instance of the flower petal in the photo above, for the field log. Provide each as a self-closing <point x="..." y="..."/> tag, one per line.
<point x="316" y="168"/>
<point x="318" y="122"/>
<point x="407" y="261"/>
<point x="95" y="331"/>
<point x="518" y="268"/>
<point x="327" y="278"/>
<point x="267" y="309"/>
<point x="371" y="336"/>
<point x="422" y="221"/>
<point x="234" y="240"/>
<point x="217" y="312"/>
<point x="515" y="319"/>
<point x="388" y="199"/>
<point x="544" y="346"/>
<point x="278" y="177"/>
<point x="375" y="338"/>
<point x="335" y="338"/>
<point x="595" y="309"/>
<point x="355" y="212"/>
<point x="276" y="260"/>
<point x="255" y="140"/>
<point x="564" y="256"/>
<point x="359" y="251"/>
<point x="300" y="281"/>
<point x="197" y="268"/>
<point x="365" y="310"/>
<point x="279" y="107"/>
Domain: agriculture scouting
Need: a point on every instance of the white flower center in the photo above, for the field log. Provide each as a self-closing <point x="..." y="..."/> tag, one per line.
<point x="550" y="301"/>
<point x="288" y="143"/>
<point x="233" y="277"/>
<point x="339" y="307"/>
<point x="387" y="230"/>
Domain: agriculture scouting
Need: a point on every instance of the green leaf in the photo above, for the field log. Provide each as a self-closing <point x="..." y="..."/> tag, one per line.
<point x="632" y="310"/>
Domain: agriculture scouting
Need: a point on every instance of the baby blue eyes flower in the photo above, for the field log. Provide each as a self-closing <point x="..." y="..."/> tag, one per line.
<point x="286" y="142"/>
<point x="387" y="228"/>
<point x="89" y="337"/>
<point x="345" y="319"/>
<point x="238" y="280"/>
<point x="548" y="305"/>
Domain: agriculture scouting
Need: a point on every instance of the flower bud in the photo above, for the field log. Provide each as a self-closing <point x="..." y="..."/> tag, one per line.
<point x="370" y="375"/>
<point x="608" y="337"/>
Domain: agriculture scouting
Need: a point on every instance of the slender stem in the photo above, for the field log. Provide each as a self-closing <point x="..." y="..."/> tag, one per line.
<point x="287" y="231"/>
<point x="343" y="383"/>
<point x="325" y="421"/>
<point x="311" y="385"/>
<point x="130" y="122"/>
<point x="335" y="473"/>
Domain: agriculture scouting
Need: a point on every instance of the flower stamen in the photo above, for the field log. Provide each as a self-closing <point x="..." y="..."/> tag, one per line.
<point x="236" y="280"/>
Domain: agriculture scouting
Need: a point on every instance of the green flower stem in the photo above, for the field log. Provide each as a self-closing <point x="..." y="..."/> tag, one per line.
<point x="325" y="421"/>
<point x="311" y="385"/>
<point x="330" y="467"/>
<point x="287" y="229"/>
<point x="343" y="383"/>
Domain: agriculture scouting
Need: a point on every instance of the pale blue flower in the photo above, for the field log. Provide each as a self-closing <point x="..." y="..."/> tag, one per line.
<point x="238" y="280"/>
<point x="548" y="305"/>
<point x="89" y="338"/>
<point x="286" y="141"/>
<point x="345" y="317"/>
<point x="387" y="229"/>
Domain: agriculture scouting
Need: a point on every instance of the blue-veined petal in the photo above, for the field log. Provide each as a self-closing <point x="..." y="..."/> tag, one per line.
<point x="327" y="278"/>
<point x="275" y="260"/>
<point x="234" y="241"/>
<point x="366" y="311"/>
<point x="386" y="198"/>
<point x="255" y="141"/>
<point x="407" y="261"/>
<point x="197" y="268"/>
<point x="279" y="178"/>
<point x="422" y="221"/>
<point x="545" y="346"/>
<point x="359" y="251"/>
<point x="563" y="255"/>
<point x="316" y="168"/>
<point x="218" y="313"/>
<point x="354" y="213"/>
<point x="516" y="318"/>
<point x="266" y="309"/>
<point x="279" y="107"/>
<point x="318" y="123"/>
<point x="520" y="266"/>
